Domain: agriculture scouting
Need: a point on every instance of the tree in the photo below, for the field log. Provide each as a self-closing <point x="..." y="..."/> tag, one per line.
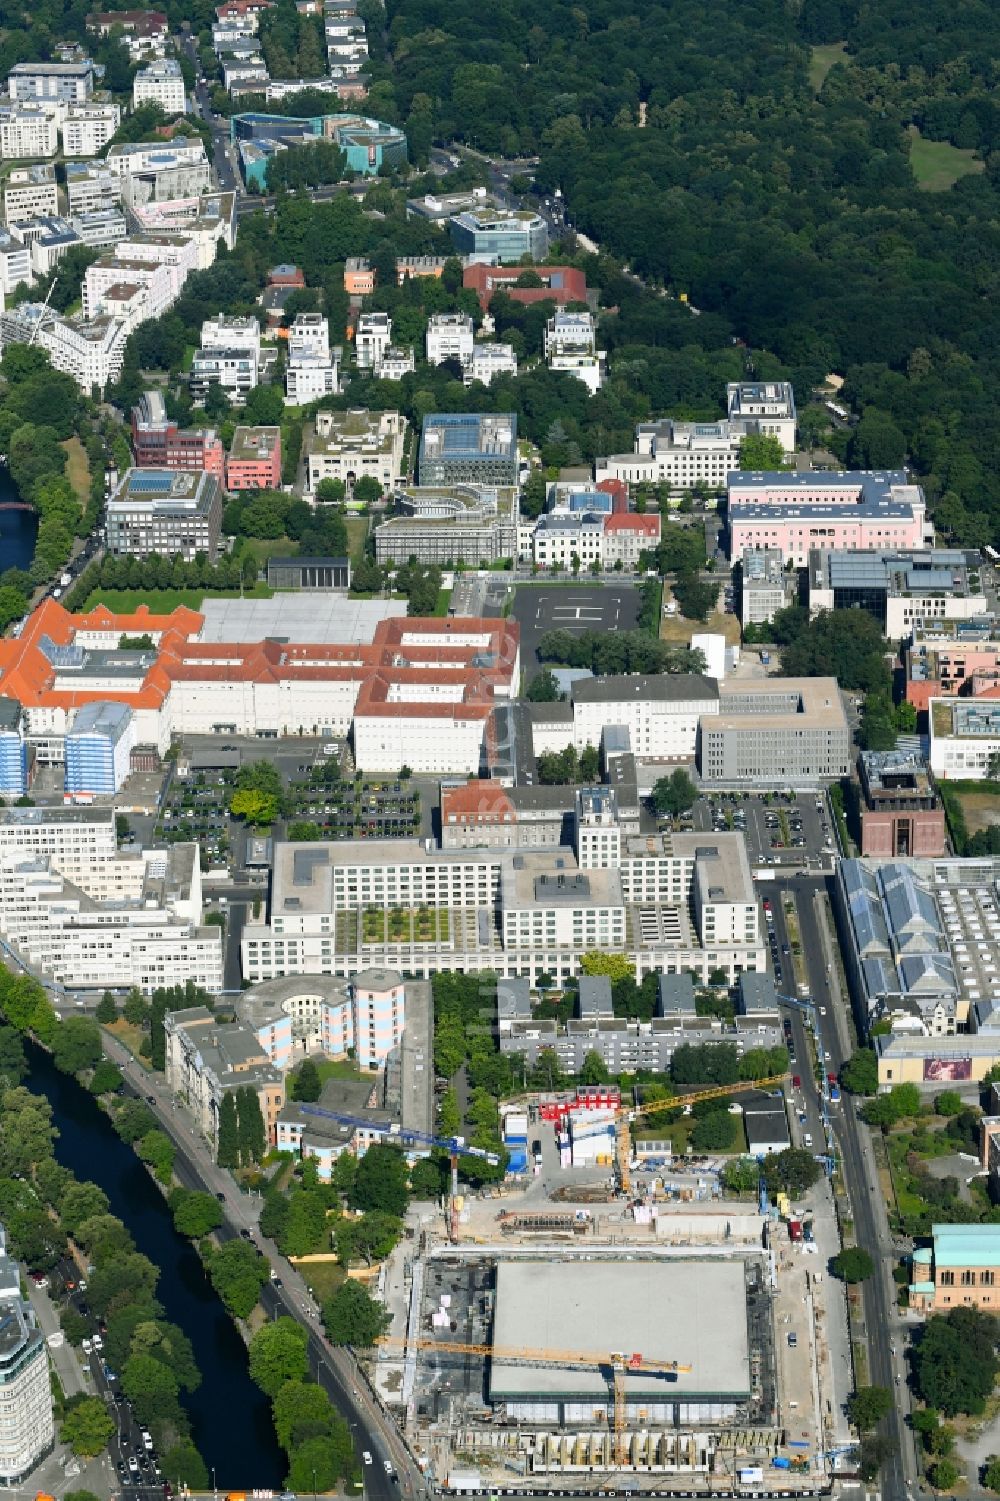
<point x="87" y="1426"/>
<point x="543" y="688"/>
<point x="381" y="1181"/>
<point x="674" y="794"/>
<point x="316" y="1463"/>
<point x="944" y="1474"/>
<point x="300" y="1408"/>
<point x="127" y="1279"/>
<point x="278" y="1354"/>
<point x="859" y="1074"/>
<point x="195" y="1214"/>
<point x="331" y="490"/>
<point x="761" y="452"/>
<point x="956" y="1361"/>
<point x="151" y="1387"/>
<point x="81" y="1202"/>
<point x="615" y="966"/>
<point x="13" y="1064"/>
<point x="77" y="1045"/>
<point x="714" y="1132"/>
<point x="227" y="1152"/>
<point x="428" y="1178"/>
<point x="183" y="1462"/>
<point x="135" y="1010"/>
<point x="238" y="1272"/>
<point x="794" y="1170"/>
<point x="306" y="1081"/>
<point x="594" y="1070"/>
<point x="741" y="1175"/>
<point x="352" y="1317"/>
<point x="257" y="808"/>
<point x="696" y="599"/>
<point x="948" y="1102"/>
<point x="106" y="1078"/>
<point x="852" y="1264"/>
<point x="106" y="1012"/>
<point x="867" y="1406"/>
<point x="902" y="1102"/>
<point x="991" y="1473"/>
<point x="157" y="1149"/>
<point x="251" y="1131"/>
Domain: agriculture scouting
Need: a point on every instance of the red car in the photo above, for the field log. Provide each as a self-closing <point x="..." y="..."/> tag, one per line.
<point x="831" y="1078"/>
<point x="796" y="1081"/>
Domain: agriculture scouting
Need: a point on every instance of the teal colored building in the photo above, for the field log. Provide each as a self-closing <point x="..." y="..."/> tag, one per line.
<point x="367" y="144"/>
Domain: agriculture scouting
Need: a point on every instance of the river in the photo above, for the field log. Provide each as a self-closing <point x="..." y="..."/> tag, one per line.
<point x="230" y="1417"/>
<point x="18" y="529"/>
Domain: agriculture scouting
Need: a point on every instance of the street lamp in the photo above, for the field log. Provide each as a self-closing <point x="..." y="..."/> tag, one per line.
<point x="215" y="1488"/>
<point x="314" y="1483"/>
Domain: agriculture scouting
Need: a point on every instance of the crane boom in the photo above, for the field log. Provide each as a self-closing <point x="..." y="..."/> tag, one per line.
<point x="628" y="1114"/>
<point x="519" y="1355"/>
<point x="455" y="1146"/>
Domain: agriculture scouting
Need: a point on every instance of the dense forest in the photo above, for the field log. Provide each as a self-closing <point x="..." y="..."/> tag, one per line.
<point x="768" y="160"/>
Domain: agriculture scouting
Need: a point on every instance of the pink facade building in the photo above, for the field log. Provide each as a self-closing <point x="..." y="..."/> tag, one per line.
<point x="254" y="461"/>
<point x="944" y="665"/>
<point x="799" y="512"/>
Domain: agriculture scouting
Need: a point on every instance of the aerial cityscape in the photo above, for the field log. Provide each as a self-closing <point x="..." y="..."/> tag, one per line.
<point x="499" y="750"/>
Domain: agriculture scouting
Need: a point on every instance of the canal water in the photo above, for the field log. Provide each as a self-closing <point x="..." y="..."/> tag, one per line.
<point x="18" y="529"/>
<point x="230" y="1416"/>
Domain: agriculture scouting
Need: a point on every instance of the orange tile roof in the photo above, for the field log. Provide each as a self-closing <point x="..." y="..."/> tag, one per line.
<point x="478" y="801"/>
<point x="27" y="674"/>
<point x="628" y="521"/>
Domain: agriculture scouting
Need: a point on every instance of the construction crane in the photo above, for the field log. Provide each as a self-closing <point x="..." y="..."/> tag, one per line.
<point x="620" y="1363"/>
<point x="455" y="1146"/>
<point x="629" y="1114"/>
<point x="41" y="317"/>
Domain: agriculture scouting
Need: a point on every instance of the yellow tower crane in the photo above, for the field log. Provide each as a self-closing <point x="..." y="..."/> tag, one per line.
<point x="628" y="1114"/>
<point x="620" y="1363"/>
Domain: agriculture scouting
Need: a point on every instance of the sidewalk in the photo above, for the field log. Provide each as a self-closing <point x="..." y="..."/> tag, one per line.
<point x="63" y="1357"/>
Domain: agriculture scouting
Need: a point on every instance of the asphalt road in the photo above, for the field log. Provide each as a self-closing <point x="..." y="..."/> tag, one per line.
<point x="886" y="1356"/>
<point x="334" y="1369"/>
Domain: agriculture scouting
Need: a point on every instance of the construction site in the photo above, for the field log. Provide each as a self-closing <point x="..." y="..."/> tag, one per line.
<point x="668" y="1339"/>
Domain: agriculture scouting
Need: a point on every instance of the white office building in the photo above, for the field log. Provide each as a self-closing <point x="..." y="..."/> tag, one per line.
<point x="347" y="445"/>
<point x="15" y="262"/>
<point x="395" y="363"/>
<point x="450" y="336"/>
<point x="570" y="343"/>
<point x="63" y="83"/>
<point x="162" y="83"/>
<point x="90" y="350"/>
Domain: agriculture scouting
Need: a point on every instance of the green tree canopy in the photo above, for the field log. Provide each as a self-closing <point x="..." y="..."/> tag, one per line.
<point x="352" y="1317"/>
<point x="278" y="1355"/>
<point x="87" y="1426"/>
<point x="852" y="1264"/>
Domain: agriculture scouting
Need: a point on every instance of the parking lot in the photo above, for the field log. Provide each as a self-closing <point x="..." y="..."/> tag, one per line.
<point x="571" y="607"/>
<point x="781" y="829"/>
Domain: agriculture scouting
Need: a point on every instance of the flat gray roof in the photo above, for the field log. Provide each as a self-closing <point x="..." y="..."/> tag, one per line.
<point x="663" y="687"/>
<point x="690" y="1311"/>
<point x="297" y="617"/>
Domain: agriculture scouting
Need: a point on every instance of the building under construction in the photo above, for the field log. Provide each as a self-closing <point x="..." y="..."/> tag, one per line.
<point x="564" y="1363"/>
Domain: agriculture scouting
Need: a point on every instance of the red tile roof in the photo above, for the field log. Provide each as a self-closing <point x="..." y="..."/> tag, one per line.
<point x="628" y="521"/>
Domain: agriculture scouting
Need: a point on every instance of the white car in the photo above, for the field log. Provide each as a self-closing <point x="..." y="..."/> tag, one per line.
<point x="133" y="1465"/>
<point x="366" y="1457"/>
<point x="87" y="1346"/>
<point x="97" y="1342"/>
<point x="388" y="1466"/>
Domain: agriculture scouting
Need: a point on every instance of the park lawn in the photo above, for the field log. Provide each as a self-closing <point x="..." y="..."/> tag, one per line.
<point x="162" y="601"/>
<point x="938" y="165"/>
<point x="822" y="59"/>
<point x="337" y="1068"/>
<point x="130" y="1037"/>
<point x="322" y="1278"/>
<point x="678" y="630"/>
<point x="981" y="809"/>
<point x="268" y="547"/>
<point x="443" y="601"/>
<point x="357" y="531"/>
<point x="77" y="468"/>
<point x="187" y="359"/>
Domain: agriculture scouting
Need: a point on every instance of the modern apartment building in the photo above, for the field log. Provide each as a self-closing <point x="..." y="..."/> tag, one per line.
<point x="965" y="737"/>
<point x="469" y="448"/>
<point x="162" y="83"/>
<point x="313" y="369"/>
<point x="359" y="276"/>
<point x="90" y="350"/>
<point x="28" y="131"/>
<point x="347" y="445"/>
<point x="27" y="1431"/>
<point x="953" y="657"/>
<point x="87" y="128"/>
<point x="15" y="262"/>
<point x="450" y="336"/>
<point x="29" y="191"/>
<point x="166" y="512"/>
<point x="254" y="461"/>
<point x="372" y="338"/>
<point x="488" y="362"/>
<point x="235" y="370"/>
<point x="764" y="408"/>
<point x="92" y="187"/>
